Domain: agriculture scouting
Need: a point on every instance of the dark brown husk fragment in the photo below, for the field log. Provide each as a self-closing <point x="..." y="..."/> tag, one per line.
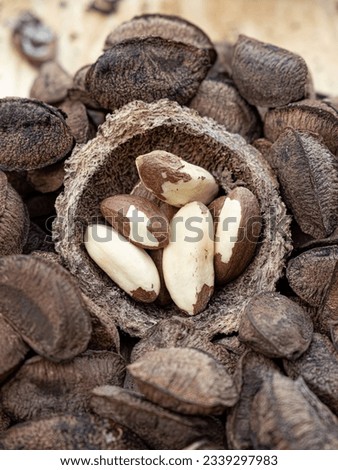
<point x="69" y="432"/>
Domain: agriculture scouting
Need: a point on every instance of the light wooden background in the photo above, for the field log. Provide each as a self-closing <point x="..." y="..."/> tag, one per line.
<point x="308" y="27"/>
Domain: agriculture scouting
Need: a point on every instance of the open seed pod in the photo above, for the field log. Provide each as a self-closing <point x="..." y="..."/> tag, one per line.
<point x="110" y="169"/>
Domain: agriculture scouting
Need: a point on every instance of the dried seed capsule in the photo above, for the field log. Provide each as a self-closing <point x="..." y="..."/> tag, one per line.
<point x="48" y="179"/>
<point x="41" y="388"/>
<point x="275" y="326"/>
<point x="313" y="275"/>
<point x="138" y="219"/>
<point x="169" y="27"/>
<point x="185" y="380"/>
<point x="188" y="259"/>
<point x="66" y="432"/>
<point x="147" y="69"/>
<point x="174" y="180"/>
<point x="34" y="39"/>
<point x="12" y="349"/>
<point x="32" y="134"/>
<point x="308" y="174"/>
<point x="237" y="225"/>
<point x="318" y="367"/>
<point x="105" y="335"/>
<point x="126" y="264"/>
<point x="78" y="121"/>
<point x="310" y="115"/>
<point x="52" y="83"/>
<point x="253" y="369"/>
<point x="179" y="333"/>
<point x="14" y="220"/>
<point x="78" y="91"/>
<point x="137" y="129"/>
<point x="267" y="75"/>
<point x="221" y="101"/>
<point x="157" y="427"/>
<point x="42" y="302"/>
<point x="302" y="422"/>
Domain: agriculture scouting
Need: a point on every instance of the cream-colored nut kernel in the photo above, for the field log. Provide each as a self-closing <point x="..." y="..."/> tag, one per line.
<point x="237" y="222"/>
<point x="174" y="180"/>
<point x="137" y="219"/>
<point x="129" y="266"/>
<point x="188" y="267"/>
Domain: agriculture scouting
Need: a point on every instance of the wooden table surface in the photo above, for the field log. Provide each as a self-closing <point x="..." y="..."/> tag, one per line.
<point x="308" y="27"/>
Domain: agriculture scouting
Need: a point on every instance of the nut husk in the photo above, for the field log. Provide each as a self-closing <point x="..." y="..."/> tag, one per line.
<point x="185" y="380"/>
<point x="165" y="26"/>
<point x="157" y="427"/>
<point x="32" y="134"/>
<point x="43" y="303"/>
<point x="137" y="129"/>
<point x="276" y="326"/>
<point x="42" y="388"/>
<point x="69" y="432"/>
<point x="148" y="69"/>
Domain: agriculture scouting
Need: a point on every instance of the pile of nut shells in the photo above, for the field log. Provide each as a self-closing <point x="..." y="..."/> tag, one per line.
<point x="85" y="366"/>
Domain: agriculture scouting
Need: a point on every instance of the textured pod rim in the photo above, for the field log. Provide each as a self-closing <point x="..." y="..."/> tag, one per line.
<point x="105" y="166"/>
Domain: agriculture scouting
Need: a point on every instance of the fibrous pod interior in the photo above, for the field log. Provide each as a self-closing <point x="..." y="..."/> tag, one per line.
<point x="140" y="128"/>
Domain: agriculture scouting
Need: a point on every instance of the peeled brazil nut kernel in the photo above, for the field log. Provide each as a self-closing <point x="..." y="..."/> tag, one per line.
<point x="32" y="134"/>
<point x="138" y="219"/>
<point x="188" y="267"/>
<point x="174" y="180"/>
<point x="40" y="300"/>
<point x="237" y="227"/>
<point x="129" y="266"/>
<point x="14" y="219"/>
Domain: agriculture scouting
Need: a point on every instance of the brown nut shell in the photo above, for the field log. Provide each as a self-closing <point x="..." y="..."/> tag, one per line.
<point x="157" y="427"/>
<point x="32" y="134"/>
<point x="267" y="75"/>
<point x="42" y="302"/>
<point x="308" y="175"/>
<point x="69" y="432"/>
<point x="170" y="27"/>
<point x="42" y="388"/>
<point x="185" y="380"/>
<point x="12" y="349"/>
<point x="221" y="101"/>
<point x="52" y="83"/>
<point x="148" y="69"/>
<point x="276" y="326"/>
<point x="137" y="129"/>
<point x="303" y="422"/>
<point x="309" y="115"/>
